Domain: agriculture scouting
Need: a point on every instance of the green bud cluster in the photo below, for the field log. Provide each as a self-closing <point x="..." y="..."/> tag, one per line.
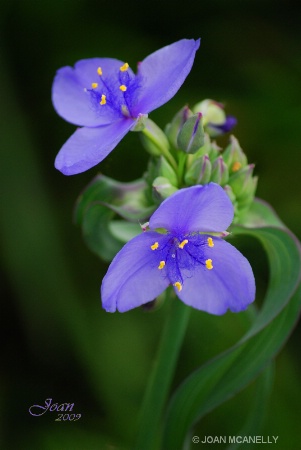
<point x="228" y="168"/>
<point x="185" y="155"/>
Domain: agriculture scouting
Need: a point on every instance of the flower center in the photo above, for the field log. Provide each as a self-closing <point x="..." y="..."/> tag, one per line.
<point x="114" y="92"/>
<point x="178" y="256"/>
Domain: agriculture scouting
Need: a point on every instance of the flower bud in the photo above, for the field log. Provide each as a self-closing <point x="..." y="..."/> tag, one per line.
<point x="199" y="172"/>
<point x="154" y="139"/>
<point x="220" y="173"/>
<point x="162" y="188"/>
<point x="245" y="200"/>
<point x="165" y="170"/>
<point x="172" y="129"/>
<point x="215" y="120"/>
<point x="234" y="156"/>
<point x="204" y="150"/>
<point x="191" y="136"/>
<point x="248" y="194"/>
<point x="232" y="197"/>
<point x="215" y="151"/>
<point x="230" y="193"/>
<point x="242" y="181"/>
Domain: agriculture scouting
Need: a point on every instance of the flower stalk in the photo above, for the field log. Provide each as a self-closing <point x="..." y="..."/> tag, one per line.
<point x="149" y="430"/>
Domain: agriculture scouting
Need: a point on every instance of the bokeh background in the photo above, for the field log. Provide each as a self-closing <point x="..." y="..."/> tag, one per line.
<point x="57" y="342"/>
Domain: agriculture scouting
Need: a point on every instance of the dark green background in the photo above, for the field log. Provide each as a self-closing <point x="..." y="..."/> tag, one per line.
<point x="56" y="340"/>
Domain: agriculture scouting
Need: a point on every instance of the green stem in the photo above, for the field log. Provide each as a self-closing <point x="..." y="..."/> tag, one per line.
<point x="149" y="432"/>
<point x="181" y="166"/>
<point x="161" y="148"/>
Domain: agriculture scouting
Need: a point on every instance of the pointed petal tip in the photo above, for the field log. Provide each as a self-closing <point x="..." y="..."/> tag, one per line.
<point x="197" y="43"/>
<point x="73" y="169"/>
<point x="109" y="307"/>
<point x="163" y="73"/>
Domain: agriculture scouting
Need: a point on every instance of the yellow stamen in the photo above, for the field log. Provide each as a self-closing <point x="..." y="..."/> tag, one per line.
<point x="209" y="265"/>
<point x="123" y="88"/>
<point x="99" y="71"/>
<point x="236" y="166"/>
<point x="178" y="285"/>
<point x="103" y="100"/>
<point x="161" y="265"/>
<point x="124" y="68"/>
<point x="94" y="85"/>
<point x="183" y="243"/>
<point x="210" y="242"/>
<point x="155" y="246"/>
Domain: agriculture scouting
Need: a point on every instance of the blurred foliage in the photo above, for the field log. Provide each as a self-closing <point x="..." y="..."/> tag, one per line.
<point x="56" y="340"/>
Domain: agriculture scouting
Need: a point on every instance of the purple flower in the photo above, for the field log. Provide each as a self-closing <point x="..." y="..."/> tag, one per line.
<point x="215" y="129"/>
<point x="205" y="271"/>
<point x="106" y="99"/>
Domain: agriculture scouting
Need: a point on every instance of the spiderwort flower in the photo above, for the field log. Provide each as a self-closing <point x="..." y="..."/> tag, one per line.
<point x="106" y="99"/>
<point x="205" y="271"/>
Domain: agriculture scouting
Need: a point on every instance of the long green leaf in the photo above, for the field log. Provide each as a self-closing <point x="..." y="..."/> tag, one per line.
<point x="219" y="379"/>
<point x="258" y="408"/>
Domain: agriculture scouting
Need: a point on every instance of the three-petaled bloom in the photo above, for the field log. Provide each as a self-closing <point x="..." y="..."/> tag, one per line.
<point x="106" y="99"/>
<point x="205" y="271"/>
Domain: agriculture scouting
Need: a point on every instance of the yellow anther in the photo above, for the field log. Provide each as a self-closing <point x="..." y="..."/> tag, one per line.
<point x="94" y="85"/>
<point x="155" y="246"/>
<point x="183" y="243"/>
<point x="99" y="71"/>
<point x="103" y="100"/>
<point x="124" y="68"/>
<point x="161" y="265"/>
<point x="123" y="88"/>
<point x="178" y="285"/>
<point x="210" y="242"/>
<point x="236" y="166"/>
<point x="209" y="265"/>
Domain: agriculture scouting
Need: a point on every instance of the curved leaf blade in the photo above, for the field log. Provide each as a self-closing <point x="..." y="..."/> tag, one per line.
<point x="96" y="215"/>
<point x="260" y="214"/>
<point x="225" y="375"/>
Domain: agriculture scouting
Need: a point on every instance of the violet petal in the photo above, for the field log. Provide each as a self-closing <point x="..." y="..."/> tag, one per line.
<point x="229" y="285"/>
<point x="133" y="277"/>
<point x="163" y="72"/>
<point x="198" y="208"/>
<point x="89" y="146"/>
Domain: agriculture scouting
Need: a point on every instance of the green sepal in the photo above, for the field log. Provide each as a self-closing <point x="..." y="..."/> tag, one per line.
<point x="140" y="122"/>
<point x="162" y="188"/>
<point x="191" y="136"/>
